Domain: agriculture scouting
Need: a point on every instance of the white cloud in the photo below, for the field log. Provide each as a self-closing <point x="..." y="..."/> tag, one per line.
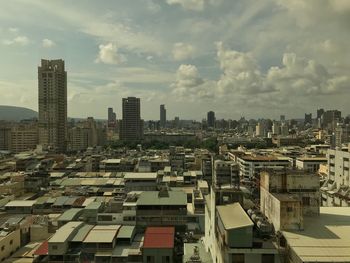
<point x="240" y="72"/>
<point x="19" y="40"/>
<point x="194" y="5"/>
<point x="48" y="43"/>
<point x="13" y="29"/>
<point x="189" y="85"/>
<point x="108" y="54"/>
<point x="152" y="6"/>
<point x="182" y="51"/>
<point x="300" y="76"/>
<point x="103" y="28"/>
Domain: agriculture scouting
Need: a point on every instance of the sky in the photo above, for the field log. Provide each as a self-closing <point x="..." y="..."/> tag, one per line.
<point x="257" y="59"/>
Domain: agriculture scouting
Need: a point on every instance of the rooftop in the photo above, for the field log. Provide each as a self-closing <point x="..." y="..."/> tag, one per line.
<point x="143" y="176"/>
<point x="153" y="198"/>
<point x="325" y="238"/>
<point x="102" y="234"/>
<point x="233" y="216"/>
<point x="159" y="237"/>
<point x="63" y="233"/>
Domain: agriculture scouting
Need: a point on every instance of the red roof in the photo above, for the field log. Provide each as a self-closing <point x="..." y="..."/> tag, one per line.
<point x="43" y="249"/>
<point x="159" y="237"/>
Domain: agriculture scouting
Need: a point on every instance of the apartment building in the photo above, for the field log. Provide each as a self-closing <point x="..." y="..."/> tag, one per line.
<point x="336" y="189"/>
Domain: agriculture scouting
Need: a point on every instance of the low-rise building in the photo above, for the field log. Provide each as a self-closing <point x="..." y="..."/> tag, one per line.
<point x="158" y="245"/>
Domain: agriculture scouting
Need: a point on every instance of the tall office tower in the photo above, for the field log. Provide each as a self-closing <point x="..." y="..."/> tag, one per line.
<point x="282" y="118"/>
<point x="112" y="118"/>
<point x="330" y="118"/>
<point x="276" y="128"/>
<point x="308" y="118"/>
<point x="162" y="116"/>
<point x="211" y="119"/>
<point x="52" y="82"/>
<point x="131" y="128"/>
<point x="260" y="130"/>
<point x="320" y="113"/>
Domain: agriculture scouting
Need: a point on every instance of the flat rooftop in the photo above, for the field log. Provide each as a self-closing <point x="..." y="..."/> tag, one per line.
<point x="143" y="176"/>
<point x="153" y="198"/>
<point x="264" y="158"/>
<point x="102" y="234"/>
<point x="233" y="216"/>
<point x="325" y="238"/>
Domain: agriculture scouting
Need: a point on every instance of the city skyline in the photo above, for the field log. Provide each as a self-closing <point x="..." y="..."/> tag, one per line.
<point x="123" y="49"/>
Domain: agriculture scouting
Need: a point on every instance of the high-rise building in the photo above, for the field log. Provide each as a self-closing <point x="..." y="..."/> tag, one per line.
<point x="211" y="119"/>
<point x="52" y="82"/>
<point x="131" y="128"/>
<point x="308" y="118"/>
<point x="112" y="118"/>
<point x="162" y="116"/>
<point x="330" y="118"/>
<point x="276" y="128"/>
<point x="282" y="118"/>
<point x="320" y="113"/>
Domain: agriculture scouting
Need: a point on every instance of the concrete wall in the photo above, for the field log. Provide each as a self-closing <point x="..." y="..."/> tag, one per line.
<point x="157" y="254"/>
<point x="9" y="244"/>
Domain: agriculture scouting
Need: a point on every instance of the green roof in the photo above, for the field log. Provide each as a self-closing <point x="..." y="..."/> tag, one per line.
<point x="153" y="198"/>
<point x="93" y="205"/>
<point x="126" y="232"/>
<point x="70" y="214"/>
<point x="82" y="233"/>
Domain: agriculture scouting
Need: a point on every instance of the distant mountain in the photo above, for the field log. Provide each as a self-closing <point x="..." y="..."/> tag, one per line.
<point x="12" y="113"/>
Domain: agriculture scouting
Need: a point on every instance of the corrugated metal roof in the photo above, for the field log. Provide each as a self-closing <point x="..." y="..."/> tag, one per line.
<point x="126" y="232"/>
<point x="102" y="234"/>
<point x="70" y="214"/>
<point x="159" y="237"/>
<point x="82" y="233"/>
<point x="65" y="232"/>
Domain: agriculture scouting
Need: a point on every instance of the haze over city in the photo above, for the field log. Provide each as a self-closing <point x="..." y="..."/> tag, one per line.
<point x="238" y="58"/>
<point x="175" y="131"/>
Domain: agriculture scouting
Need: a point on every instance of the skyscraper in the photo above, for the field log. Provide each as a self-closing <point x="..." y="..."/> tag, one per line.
<point x="131" y="128"/>
<point x="52" y="83"/>
<point x="211" y="119"/>
<point x="112" y="118"/>
<point x="162" y="116"/>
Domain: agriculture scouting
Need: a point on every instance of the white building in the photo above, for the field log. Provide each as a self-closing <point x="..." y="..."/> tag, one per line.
<point x="336" y="190"/>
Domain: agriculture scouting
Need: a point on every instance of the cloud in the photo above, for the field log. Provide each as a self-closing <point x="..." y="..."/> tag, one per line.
<point x="106" y="29"/>
<point x="189" y="85"/>
<point x="194" y="5"/>
<point x="108" y="54"/>
<point x="182" y="51"/>
<point x="152" y="6"/>
<point x="19" y="40"/>
<point x="13" y="29"/>
<point x="47" y="43"/>
<point x="302" y="77"/>
<point x="241" y="72"/>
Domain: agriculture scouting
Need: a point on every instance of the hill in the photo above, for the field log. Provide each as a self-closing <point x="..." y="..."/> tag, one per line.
<point x="12" y="113"/>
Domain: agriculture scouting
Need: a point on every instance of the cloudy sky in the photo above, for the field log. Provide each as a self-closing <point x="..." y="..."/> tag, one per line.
<point x="237" y="57"/>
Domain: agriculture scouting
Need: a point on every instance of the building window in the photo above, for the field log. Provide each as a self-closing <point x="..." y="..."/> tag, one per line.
<point x="2" y="248"/>
<point x="150" y="259"/>
<point x="54" y="247"/>
<point x="165" y="259"/>
<point x="289" y="209"/>
<point x="267" y="258"/>
<point x="306" y="201"/>
<point x="11" y="242"/>
<point x="237" y="258"/>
